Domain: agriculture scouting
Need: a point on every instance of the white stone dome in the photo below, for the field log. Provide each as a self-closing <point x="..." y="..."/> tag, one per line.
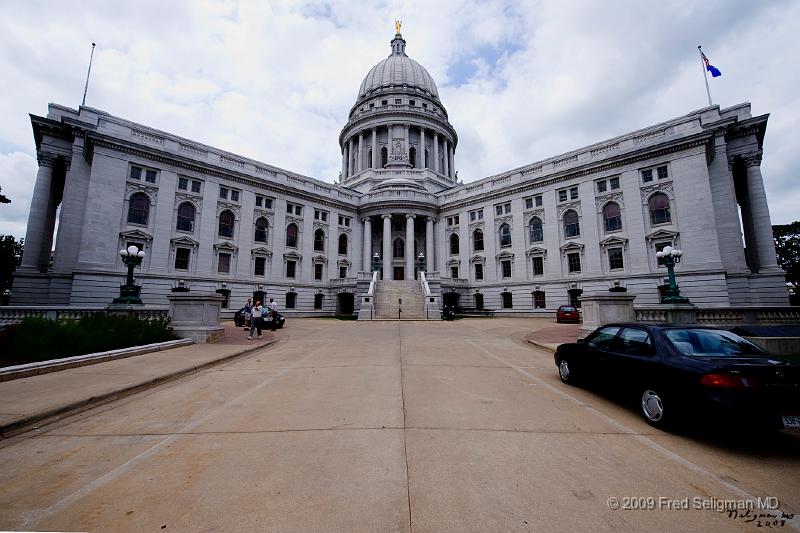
<point x="397" y="70"/>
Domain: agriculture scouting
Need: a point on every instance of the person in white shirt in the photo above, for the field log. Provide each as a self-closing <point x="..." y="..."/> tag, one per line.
<point x="256" y="320"/>
<point x="273" y="311"/>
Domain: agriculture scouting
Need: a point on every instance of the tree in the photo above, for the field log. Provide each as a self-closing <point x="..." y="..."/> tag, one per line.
<point x="3" y="198"/>
<point x="787" y="247"/>
<point x="9" y="249"/>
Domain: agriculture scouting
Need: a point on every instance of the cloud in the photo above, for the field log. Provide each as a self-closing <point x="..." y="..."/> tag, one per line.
<point x="18" y="172"/>
<point x="275" y="80"/>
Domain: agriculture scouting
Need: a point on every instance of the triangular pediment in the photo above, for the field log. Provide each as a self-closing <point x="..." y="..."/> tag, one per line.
<point x="571" y="246"/>
<point x="292" y="255"/>
<point x="225" y="246"/>
<point x="261" y="250"/>
<point x="183" y="240"/>
<point x="536" y="250"/>
<point x="661" y="234"/>
<point x="610" y="241"/>
<point x="505" y="254"/>
<point x="136" y="234"/>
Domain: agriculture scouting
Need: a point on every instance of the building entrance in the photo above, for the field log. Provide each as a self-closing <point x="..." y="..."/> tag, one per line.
<point x="399" y="273"/>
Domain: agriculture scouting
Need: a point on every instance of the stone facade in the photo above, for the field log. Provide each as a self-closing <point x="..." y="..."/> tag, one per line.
<point x="524" y="241"/>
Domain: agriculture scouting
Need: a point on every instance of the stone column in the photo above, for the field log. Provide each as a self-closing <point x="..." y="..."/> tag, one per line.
<point x="367" y="257"/>
<point x="429" y="248"/>
<point x="360" y="151"/>
<point x="375" y="156"/>
<point x="450" y="161"/>
<point x="408" y="142"/>
<point x="33" y="257"/>
<point x="387" y="246"/>
<point x="423" y="162"/>
<point x="350" y="169"/>
<point x="759" y="211"/>
<point x="410" y="247"/>
<point x="446" y="148"/>
<point x="435" y="166"/>
<point x="344" y="161"/>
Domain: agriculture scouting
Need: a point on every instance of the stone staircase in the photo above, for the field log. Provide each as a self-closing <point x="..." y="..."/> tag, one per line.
<point x="388" y="292"/>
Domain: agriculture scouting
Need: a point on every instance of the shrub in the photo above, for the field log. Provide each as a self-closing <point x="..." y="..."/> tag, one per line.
<point x="40" y="339"/>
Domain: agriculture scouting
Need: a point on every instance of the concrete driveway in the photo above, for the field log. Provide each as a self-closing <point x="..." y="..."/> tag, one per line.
<point x="347" y="426"/>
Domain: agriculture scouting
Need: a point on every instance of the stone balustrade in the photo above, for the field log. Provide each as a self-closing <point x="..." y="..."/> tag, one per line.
<point x="728" y="316"/>
<point x="13" y="314"/>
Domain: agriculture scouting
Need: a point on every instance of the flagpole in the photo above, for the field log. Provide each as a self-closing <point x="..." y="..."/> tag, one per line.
<point x="705" y="75"/>
<point x="86" y="87"/>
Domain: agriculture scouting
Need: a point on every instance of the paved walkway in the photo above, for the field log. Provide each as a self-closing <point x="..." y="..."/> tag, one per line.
<point x="389" y="426"/>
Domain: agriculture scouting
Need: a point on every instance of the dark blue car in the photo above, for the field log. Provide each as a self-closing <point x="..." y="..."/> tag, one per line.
<point x="679" y="370"/>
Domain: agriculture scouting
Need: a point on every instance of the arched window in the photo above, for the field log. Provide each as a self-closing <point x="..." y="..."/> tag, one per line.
<point x="535" y="227"/>
<point x="399" y="248"/>
<point x="477" y="240"/>
<point x="659" y="209"/>
<point x="571" y="226"/>
<point x="291" y="235"/>
<point x="612" y="218"/>
<point x="226" y="221"/>
<point x="412" y="157"/>
<point x="342" y="244"/>
<point x="138" y="208"/>
<point x="453" y="244"/>
<point x="370" y="162"/>
<point x="261" y="230"/>
<point x="384" y="157"/>
<point x="319" y="241"/>
<point x="505" y="235"/>
<point x="185" y="221"/>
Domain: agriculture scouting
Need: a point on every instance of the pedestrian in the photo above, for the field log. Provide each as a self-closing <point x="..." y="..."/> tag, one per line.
<point x="248" y="313"/>
<point x="255" y="319"/>
<point x="273" y="311"/>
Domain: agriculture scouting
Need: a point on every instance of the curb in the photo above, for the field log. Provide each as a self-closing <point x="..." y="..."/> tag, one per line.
<point x="541" y="346"/>
<point x="11" y="373"/>
<point x="54" y="414"/>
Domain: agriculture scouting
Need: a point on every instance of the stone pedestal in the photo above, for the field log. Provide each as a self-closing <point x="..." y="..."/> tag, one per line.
<point x="603" y="308"/>
<point x="195" y="316"/>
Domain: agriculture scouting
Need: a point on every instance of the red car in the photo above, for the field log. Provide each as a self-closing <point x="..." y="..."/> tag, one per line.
<point x="567" y="313"/>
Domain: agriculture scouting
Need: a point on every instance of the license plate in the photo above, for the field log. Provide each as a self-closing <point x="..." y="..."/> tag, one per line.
<point x="791" y="422"/>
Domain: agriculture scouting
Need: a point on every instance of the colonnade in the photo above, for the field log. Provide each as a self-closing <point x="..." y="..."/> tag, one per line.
<point x="355" y="151"/>
<point x="387" y="250"/>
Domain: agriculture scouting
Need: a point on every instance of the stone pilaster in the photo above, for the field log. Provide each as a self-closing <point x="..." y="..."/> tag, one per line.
<point x="759" y="210"/>
<point x="344" y="161"/>
<point x="33" y="257"/>
<point x="446" y="148"/>
<point x="375" y="155"/>
<point x="429" y="245"/>
<point x="387" y="246"/>
<point x="423" y="162"/>
<point x="450" y="162"/>
<point x="408" y="141"/>
<point x="360" y="151"/>
<point x="410" y="247"/>
<point x="350" y="169"/>
<point x="436" y="152"/>
<point x="366" y="264"/>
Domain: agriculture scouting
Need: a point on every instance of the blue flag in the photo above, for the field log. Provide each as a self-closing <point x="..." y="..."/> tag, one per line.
<point x="709" y="67"/>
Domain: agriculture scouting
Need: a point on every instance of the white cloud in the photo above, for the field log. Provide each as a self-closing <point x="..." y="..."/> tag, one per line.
<point x="275" y="81"/>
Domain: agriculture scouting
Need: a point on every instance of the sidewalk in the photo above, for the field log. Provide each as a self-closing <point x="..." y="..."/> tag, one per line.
<point x="34" y="400"/>
<point x="550" y="337"/>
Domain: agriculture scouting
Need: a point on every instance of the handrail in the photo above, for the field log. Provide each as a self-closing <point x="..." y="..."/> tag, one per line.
<point x="424" y="280"/>
<point x="372" y="283"/>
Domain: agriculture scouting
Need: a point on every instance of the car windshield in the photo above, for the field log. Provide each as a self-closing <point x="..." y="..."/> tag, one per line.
<point x="567" y="308"/>
<point x="711" y="343"/>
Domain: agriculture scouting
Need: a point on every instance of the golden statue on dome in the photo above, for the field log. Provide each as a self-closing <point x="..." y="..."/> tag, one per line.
<point x="397" y="24"/>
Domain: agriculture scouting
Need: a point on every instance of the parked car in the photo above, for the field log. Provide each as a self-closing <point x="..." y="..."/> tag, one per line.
<point x="679" y="370"/>
<point x="568" y="313"/>
<point x="239" y="320"/>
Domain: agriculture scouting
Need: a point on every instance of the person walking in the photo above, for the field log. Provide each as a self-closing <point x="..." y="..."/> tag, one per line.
<point x="248" y="313"/>
<point x="255" y="320"/>
<point x="273" y="311"/>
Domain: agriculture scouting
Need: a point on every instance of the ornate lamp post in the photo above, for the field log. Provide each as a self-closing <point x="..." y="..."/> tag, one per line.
<point x="421" y="262"/>
<point x="376" y="262"/>
<point x="670" y="257"/>
<point x="129" y="293"/>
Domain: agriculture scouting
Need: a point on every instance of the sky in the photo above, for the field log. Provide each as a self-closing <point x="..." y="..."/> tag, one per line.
<point x="275" y="80"/>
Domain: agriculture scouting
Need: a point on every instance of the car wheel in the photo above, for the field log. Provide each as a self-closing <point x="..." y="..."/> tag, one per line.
<point x="654" y="409"/>
<point x="566" y="371"/>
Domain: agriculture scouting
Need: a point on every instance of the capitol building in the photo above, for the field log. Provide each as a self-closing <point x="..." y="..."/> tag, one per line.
<point x="520" y="242"/>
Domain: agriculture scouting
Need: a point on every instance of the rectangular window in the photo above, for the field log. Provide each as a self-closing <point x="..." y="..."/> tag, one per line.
<point x="505" y="266"/>
<point x="290" y="268"/>
<point x="398" y="101"/>
<point x="372" y="105"/>
<point x="224" y="263"/>
<point x="528" y="203"/>
<point x="538" y="300"/>
<point x="614" y="183"/>
<point x="412" y="102"/>
<point x="602" y="186"/>
<point x="234" y="196"/>
<point x="318" y="271"/>
<point x="476" y="215"/>
<point x="343" y="272"/>
<point x="538" y="200"/>
<point x="662" y="173"/>
<point x="384" y="102"/>
<point x="562" y="195"/>
<point x="195" y="186"/>
<point x="320" y="215"/>
<point x="223" y="193"/>
<point x="183" y="184"/>
<point x="260" y="266"/>
<point x="615" y="258"/>
<point x="573" y="193"/>
<point x="647" y="175"/>
<point x="295" y="209"/>
<point x="136" y="173"/>
<point x="291" y="300"/>
<point x="454" y="272"/>
<point x="478" y="272"/>
<point x="150" y="176"/>
<point x="267" y="203"/>
<point x="574" y="262"/>
<point x="344" y="221"/>
<point x="502" y="209"/>
<point x="508" y="301"/>
<point x="259" y="201"/>
<point x="182" y="256"/>
<point x="298" y="210"/>
<point x="538" y="266"/>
